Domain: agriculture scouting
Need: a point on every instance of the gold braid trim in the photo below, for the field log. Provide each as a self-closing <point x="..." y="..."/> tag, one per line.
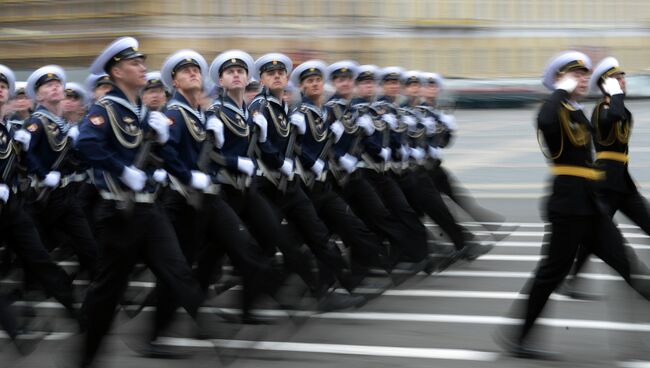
<point x="55" y="145"/>
<point x="283" y="131"/>
<point x="238" y="130"/>
<point x="195" y="131"/>
<point x="620" y="131"/>
<point x="318" y="136"/>
<point x="121" y="133"/>
<point x="577" y="133"/>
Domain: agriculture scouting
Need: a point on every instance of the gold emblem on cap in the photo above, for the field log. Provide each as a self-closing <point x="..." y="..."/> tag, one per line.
<point x="312" y="69"/>
<point x="233" y="61"/>
<point x="274" y="62"/>
<point x="344" y="70"/>
<point x="50" y="75"/>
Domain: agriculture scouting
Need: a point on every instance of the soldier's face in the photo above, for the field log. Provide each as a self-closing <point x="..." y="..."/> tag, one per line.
<point x="22" y="103"/>
<point x="4" y="93"/>
<point x="51" y="92"/>
<point x="132" y="72"/>
<point x="188" y="78"/>
<point x="620" y="77"/>
<point x="391" y="88"/>
<point x="366" y="88"/>
<point x="430" y="90"/>
<point x="582" y="77"/>
<point x="275" y="79"/>
<point x="102" y="90"/>
<point x="72" y="104"/>
<point x="313" y="86"/>
<point x="344" y="86"/>
<point x="234" y="77"/>
<point x="154" y="98"/>
<point x="412" y="90"/>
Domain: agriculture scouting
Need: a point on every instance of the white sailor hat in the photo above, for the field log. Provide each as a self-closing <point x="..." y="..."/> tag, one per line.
<point x="121" y="49"/>
<point x="95" y="80"/>
<point x="41" y="76"/>
<point x="432" y="78"/>
<point x="77" y="90"/>
<point x="343" y="68"/>
<point x="273" y="61"/>
<point x="307" y="69"/>
<point x="178" y="60"/>
<point x="391" y="73"/>
<point x="605" y="69"/>
<point x="564" y="62"/>
<point x="229" y="59"/>
<point x="153" y="81"/>
<point x="367" y="72"/>
<point x="19" y="88"/>
<point x="412" y="76"/>
<point x="7" y="76"/>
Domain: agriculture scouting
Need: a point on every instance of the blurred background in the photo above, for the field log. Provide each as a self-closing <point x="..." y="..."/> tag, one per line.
<point x="494" y="47"/>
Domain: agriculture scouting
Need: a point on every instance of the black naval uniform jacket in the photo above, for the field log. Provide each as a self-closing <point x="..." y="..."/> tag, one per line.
<point x="567" y="133"/>
<point x="613" y="124"/>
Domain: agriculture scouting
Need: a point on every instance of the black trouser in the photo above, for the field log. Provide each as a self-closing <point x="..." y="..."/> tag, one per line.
<point x="365" y="246"/>
<point x="8" y="320"/>
<point x="263" y="221"/>
<point x="366" y="203"/>
<point x="205" y="234"/>
<point x="19" y="233"/>
<point x="395" y="201"/>
<point x="567" y="234"/>
<point x="60" y="215"/>
<point x="446" y="184"/>
<point x="144" y="233"/>
<point x="631" y="204"/>
<point x="299" y="211"/>
<point x="424" y="197"/>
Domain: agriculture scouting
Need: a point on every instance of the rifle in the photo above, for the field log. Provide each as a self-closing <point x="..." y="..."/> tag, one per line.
<point x="11" y="168"/>
<point x="290" y="154"/>
<point x="44" y="193"/>
<point x="142" y="159"/>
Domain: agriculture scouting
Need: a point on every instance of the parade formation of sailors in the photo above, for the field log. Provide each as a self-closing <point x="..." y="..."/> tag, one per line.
<point x="161" y="169"/>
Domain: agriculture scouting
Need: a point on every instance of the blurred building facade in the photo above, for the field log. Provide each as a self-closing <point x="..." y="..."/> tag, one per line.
<point x="459" y="38"/>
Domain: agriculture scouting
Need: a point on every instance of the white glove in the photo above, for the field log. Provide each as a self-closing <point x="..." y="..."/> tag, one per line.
<point x="287" y="167"/>
<point x="417" y="153"/>
<point x="409" y="121"/>
<point x="429" y="124"/>
<point x="337" y="129"/>
<point x="298" y="119"/>
<point x="261" y="122"/>
<point x="404" y="152"/>
<point x="160" y="176"/>
<point x="245" y="165"/>
<point x="449" y="121"/>
<point x="134" y="178"/>
<point x="612" y="87"/>
<point x="4" y="193"/>
<point x="435" y="152"/>
<point x="317" y="167"/>
<point x="73" y="133"/>
<point x="385" y="154"/>
<point x="199" y="180"/>
<point x="390" y="120"/>
<point x="365" y="122"/>
<point x="216" y="126"/>
<point x="160" y="123"/>
<point x="348" y="162"/>
<point x="566" y="83"/>
<point x="52" y="179"/>
<point x="23" y="137"/>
